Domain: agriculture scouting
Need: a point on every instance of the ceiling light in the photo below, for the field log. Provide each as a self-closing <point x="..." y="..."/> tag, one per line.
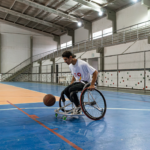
<point x="79" y="24"/>
<point x="100" y="13"/>
<point x="134" y="0"/>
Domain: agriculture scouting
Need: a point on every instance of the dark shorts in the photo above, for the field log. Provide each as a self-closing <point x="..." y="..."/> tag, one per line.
<point x="71" y="92"/>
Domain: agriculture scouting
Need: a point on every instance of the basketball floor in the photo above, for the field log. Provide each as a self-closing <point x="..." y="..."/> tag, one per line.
<point x="27" y="124"/>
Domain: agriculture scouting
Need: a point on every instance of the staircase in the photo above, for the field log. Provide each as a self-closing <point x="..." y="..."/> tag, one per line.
<point x="129" y="34"/>
<point x="10" y="78"/>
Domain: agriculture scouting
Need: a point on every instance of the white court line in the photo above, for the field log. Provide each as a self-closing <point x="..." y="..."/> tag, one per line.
<point x="71" y="107"/>
<point x="8" y="109"/>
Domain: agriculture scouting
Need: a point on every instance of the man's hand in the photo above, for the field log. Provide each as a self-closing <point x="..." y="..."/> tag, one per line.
<point x="73" y="79"/>
<point x="91" y="87"/>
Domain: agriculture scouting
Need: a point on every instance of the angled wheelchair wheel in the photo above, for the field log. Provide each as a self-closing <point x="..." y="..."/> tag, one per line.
<point x="93" y="104"/>
<point x="68" y="105"/>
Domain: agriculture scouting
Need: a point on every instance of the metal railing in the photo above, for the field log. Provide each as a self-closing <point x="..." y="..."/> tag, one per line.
<point x="129" y="34"/>
<point x="119" y="72"/>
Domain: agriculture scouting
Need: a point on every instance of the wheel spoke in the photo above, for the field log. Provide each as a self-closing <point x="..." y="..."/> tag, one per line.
<point x="93" y="104"/>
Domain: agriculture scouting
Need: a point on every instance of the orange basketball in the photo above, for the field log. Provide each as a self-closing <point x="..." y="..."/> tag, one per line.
<point x="49" y="100"/>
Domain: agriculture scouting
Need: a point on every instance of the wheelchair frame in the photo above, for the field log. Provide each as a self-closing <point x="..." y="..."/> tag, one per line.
<point x="66" y="113"/>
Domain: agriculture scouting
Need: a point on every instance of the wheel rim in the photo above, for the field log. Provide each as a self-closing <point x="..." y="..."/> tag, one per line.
<point x="93" y="104"/>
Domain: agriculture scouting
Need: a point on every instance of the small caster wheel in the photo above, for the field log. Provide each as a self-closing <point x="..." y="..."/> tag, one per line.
<point x="64" y="117"/>
<point x="56" y="115"/>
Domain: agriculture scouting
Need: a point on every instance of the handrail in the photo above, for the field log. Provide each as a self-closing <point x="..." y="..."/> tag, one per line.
<point x="128" y="34"/>
<point x="133" y="25"/>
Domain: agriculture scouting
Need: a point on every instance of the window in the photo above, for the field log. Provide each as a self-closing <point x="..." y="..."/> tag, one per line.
<point x="69" y="43"/>
<point x="63" y="46"/>
<point x="97" y="35"/>
<point x="107" y="32"/>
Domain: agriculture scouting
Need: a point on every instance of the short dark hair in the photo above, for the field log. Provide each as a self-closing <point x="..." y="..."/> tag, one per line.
<point x="68" y="54"/>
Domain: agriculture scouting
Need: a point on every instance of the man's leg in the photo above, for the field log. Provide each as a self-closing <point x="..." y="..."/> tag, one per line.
<point x="73" y="93"/>
<point x="66" y="92"/>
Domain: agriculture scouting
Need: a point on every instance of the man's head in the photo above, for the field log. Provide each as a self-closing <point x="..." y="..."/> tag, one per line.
<point x="68" y="57"/>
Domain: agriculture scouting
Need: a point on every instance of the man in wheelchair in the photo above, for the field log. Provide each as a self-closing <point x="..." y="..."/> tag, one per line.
<point x="81" y="72"/>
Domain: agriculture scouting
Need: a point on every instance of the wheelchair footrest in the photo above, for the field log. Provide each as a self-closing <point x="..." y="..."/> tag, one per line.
<point x="67" y="113"/>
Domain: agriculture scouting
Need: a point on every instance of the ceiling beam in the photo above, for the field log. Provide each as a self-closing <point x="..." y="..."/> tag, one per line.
<point x="71" y="10"/>
<point x="10" y="8"/>
<point x="26" y="28"/>
<point x="23" y="12"/>
<point x="37" y="14"/>
<point x="58" y="6"/>
<point x="17" y="14"/>
<point x="50" y="10"/>
<point x="74" y="8"/>
<point x="61" y="3"/>
<point x="90" y="4"/>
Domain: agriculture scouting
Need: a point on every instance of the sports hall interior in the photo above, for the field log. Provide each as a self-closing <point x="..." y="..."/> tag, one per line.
<point x="113" y="36"/>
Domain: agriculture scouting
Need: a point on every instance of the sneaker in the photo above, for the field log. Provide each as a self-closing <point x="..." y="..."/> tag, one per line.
<point x="77" y="111"/>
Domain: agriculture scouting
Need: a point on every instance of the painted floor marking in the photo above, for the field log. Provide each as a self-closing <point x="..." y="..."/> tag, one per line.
<point x="60" y="136"/>
<point x="71" y="107"/>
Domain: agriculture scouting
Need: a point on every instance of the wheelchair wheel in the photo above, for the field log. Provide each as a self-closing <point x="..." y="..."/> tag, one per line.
<point x="93" y="104"/>
<point x="67" y="104"/>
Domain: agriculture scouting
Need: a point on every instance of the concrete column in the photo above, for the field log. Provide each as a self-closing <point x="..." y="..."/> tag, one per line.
<point x="146" y="2"/>
<point x="148" y="39"/>
<point x="53" y="70"/>
<point x="40" y="68"/>
<point x="57" y="39"/>
<point x="31" y="53"/>
<point x="0" y="55"/>
<point x="101" y="51"/>
<point x="72" y="34"/>
<point x="111" y="15"/>
<point x="88" y="26"/>
<point x="31" y="48"/>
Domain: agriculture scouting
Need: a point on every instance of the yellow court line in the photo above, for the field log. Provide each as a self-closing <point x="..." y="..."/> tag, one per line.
<point x="19" y="95"/>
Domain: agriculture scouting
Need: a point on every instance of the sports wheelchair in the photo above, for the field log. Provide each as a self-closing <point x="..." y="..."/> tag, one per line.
<point x="92" y="103"/>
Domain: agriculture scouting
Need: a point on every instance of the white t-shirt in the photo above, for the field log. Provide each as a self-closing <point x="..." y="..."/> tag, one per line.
<point x="82" y="70"/>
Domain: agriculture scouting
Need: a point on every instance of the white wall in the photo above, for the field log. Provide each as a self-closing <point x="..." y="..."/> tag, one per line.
<point x="90" y="54"/>
<point x="134" y="14"/>
<point x="65" y="38"/>
<point x="6" y="28"/>
<point x="43" y="44"/>
<point x="81" y="34"/>
<point x="46" y="62"/>
<point x="15" y="45"/>
<point x="15" y="49"/>
<point x="141" y="45"/>
<point x="101" y="24"/>
<point x="93" y="62"/>
<point x="128" y="61"/>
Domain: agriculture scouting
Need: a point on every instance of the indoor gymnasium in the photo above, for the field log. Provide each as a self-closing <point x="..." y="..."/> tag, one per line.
<point x="74" y="74"/>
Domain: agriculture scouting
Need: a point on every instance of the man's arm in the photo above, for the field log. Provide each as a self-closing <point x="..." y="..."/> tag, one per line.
<point x="94" y="78"/>
<point x="73" y="79"/>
